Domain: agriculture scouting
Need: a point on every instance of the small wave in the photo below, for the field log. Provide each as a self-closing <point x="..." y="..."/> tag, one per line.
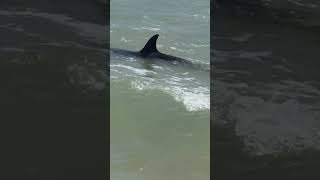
<point x="292" y="121"/>
<point x="123" y="39"/>
<point x="146" y="28"/>
<point x="135" y="70"/>
<point x="190" y="51"/>
<point x="199" y="45"/>
<point x="194" y="99"/>
<point x="184" y="87"/>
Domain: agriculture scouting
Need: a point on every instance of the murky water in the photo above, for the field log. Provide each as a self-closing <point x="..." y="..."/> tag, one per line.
<point x="53" y="96"/>
<point x="160" y="110"/>
<point x="266" y="101"/>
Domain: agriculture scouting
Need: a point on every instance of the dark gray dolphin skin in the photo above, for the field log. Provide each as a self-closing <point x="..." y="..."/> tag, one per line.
<point x="150" y="51"/>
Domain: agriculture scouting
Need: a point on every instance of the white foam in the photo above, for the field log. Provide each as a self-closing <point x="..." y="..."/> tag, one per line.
<point x="146" y="28"/>
<point x="135" y="70"/>
<point x="268" y="126"/>
<point x="182" y="85"/>
<point x="194" y="99"/>
<point x="199" y="45"/>
<point x="190" y="51"/>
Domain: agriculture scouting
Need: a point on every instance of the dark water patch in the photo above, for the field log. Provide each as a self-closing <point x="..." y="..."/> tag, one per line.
<point x="301" y="14"/>
<point x="236" y="163"/>
<point x="48" y="112"/>
<point x="23" y="28"/>
<point x="53" y="97"/>
<point x="266" y="94"/>
<point x="83" y="10"/>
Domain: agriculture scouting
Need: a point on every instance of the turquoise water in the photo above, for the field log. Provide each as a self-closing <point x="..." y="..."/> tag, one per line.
<point x="160" y="111"/>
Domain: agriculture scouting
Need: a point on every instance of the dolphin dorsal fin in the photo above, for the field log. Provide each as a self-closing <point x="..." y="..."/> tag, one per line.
<point x="151" y="46"/>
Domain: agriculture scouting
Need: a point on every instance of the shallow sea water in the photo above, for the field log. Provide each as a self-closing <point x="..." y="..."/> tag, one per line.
<point x="160" y="111"/>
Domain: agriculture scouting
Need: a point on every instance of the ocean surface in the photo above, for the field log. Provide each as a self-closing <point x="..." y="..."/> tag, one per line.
<point x="53" y="95"/>
<point x="160" y="110"/>
<point x="266" y="95"/>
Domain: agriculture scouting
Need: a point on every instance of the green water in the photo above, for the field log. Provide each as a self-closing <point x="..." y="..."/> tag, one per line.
<point x="152" y="137"/>
<point x="160" y="112"/>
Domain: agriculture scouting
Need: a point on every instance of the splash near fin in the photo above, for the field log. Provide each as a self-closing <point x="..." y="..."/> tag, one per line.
<point x="151" y="46"/>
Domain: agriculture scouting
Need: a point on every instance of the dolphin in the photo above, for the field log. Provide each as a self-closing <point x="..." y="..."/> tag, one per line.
<point x="150" y="51"/>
